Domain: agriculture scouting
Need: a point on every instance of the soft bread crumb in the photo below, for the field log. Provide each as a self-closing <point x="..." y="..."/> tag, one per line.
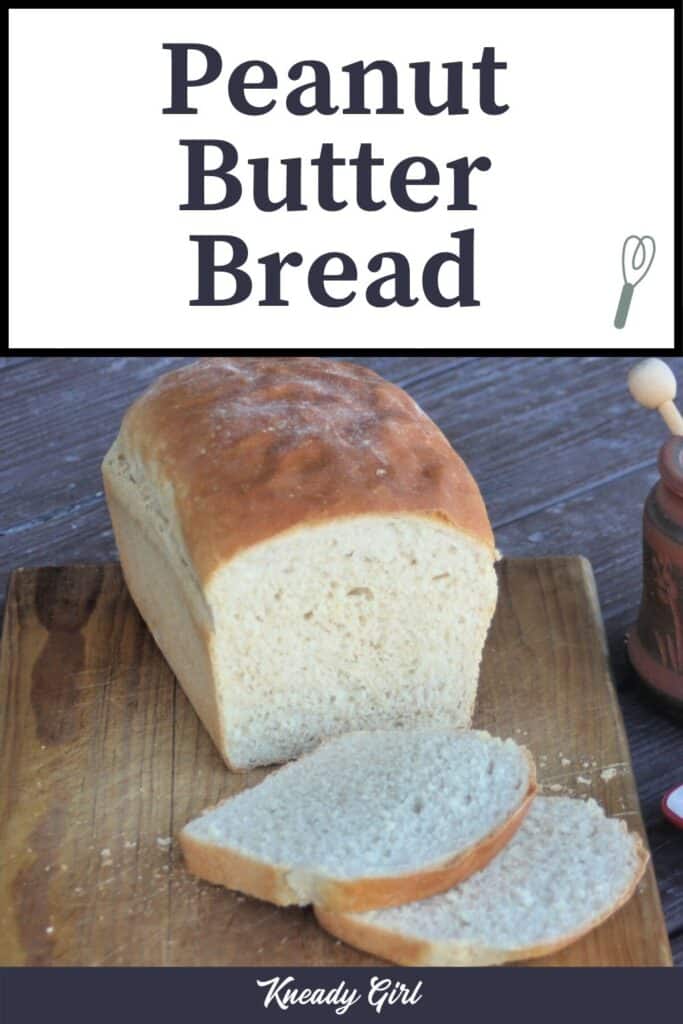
<point x="566" y="869"/>
<point x="372" y="804"/>
<point x="349" y="610"/>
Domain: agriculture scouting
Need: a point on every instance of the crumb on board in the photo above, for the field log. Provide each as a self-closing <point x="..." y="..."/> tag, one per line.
<point x="582" y="780"/>
<point x="565" y="761"/>
<point x="163" y="842"/>
<point x="49" y="930"/>
<point x="608" y="773"/>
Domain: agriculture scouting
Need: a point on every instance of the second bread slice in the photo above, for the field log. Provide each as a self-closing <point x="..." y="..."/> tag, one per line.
<point x="568" y="869"/>
<point x="368" y="820"/>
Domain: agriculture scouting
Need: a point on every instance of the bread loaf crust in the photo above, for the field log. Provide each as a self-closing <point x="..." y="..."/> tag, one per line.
<point x="242" y="449"/>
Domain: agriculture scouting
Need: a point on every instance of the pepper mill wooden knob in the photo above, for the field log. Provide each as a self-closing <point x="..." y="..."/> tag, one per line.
<point x="653" y="384"/>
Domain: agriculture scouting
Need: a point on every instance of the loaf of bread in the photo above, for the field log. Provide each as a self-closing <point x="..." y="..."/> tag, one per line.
<point x="369" y="819"/>
<point x="307" y="549"/>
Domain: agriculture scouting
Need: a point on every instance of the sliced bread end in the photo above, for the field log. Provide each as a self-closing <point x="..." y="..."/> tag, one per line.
<point x="283" y="884"/>
<point x="386" y="937"/>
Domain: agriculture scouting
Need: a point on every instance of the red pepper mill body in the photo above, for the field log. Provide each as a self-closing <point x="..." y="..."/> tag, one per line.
<point x="655" y="642"/>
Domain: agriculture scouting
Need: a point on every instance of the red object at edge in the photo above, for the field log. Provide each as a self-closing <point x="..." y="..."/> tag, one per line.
<point x="668" y="813"/>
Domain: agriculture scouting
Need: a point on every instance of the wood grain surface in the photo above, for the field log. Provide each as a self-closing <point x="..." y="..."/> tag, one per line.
<point x="103" y="761"/>
<point x="563" y="455"/>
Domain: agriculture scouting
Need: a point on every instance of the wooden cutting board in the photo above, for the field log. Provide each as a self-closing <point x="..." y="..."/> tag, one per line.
<point x="103" y="761"/>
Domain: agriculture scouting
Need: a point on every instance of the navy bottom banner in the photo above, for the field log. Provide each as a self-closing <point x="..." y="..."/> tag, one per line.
<point x="84" y="995"/>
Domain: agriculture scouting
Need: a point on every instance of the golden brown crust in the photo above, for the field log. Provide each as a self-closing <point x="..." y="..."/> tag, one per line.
<point x="221" y="867"/>
<point x="253" y="447"/>
<point x="411" y="952"/>
<point x="177" y="624"/>
<point x="224" y="866"/>
<point x="391" y="946"/>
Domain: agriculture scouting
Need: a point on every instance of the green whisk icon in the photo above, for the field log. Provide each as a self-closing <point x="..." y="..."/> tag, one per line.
<point x="637" y="255"/>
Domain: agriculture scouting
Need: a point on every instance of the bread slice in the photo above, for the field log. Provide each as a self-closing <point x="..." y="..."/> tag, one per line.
<point x="369" y="819"/>
<point x="568" y="868"/>
<point x="308" y="551"/>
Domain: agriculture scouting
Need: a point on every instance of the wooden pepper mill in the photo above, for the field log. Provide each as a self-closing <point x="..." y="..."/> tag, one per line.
<point x="655" y="642"/>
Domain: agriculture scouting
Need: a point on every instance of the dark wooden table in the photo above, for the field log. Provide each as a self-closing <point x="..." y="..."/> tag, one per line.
<point x="563" y="456"/>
